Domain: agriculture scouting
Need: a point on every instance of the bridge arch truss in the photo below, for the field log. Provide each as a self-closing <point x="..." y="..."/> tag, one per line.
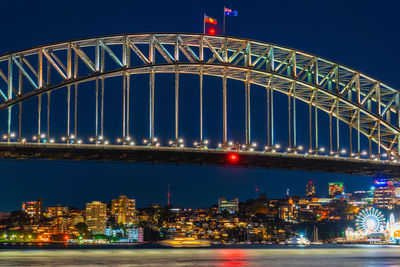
<point x="368" y="106"/>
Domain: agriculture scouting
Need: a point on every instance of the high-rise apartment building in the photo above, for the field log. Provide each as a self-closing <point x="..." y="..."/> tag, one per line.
<point x="34" y="208"/>
<point x="123" y="210"/>
<point x="335" y="188"/>
<point x="310" y="189"/>
<point x="56" y="211"/>
<point x="232" y="206"/>
<point x="384" y="194"/>
<point x="96" y="217"/>
<point x="289" y="212"/>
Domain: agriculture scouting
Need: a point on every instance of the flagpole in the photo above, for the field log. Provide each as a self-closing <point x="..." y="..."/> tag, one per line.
<point x="204" y="23"/>
<point x="224" y="23"/>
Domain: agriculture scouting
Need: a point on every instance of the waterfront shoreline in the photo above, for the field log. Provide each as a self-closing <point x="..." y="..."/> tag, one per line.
<point x="67" y="246"/>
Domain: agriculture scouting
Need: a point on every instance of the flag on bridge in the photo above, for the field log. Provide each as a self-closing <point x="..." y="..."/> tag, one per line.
<point x="208" y="19"/>
<point x="230" y="12"/>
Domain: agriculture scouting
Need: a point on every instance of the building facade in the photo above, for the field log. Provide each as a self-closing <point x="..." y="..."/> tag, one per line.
<point x="289" y="212"/>
<point x="310" y="189"/>
<point x="56" y="211"/>
<point x="96" y="217"/>
<point x="123" y="210"/>
<point x="34" y="208"/>
<point x="335" y="188"/>
<point x="384" y="194"/>
<point x="232" y="206"/>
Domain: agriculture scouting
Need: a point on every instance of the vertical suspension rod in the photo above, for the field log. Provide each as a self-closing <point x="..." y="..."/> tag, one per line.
<point x="124" y="107"/>
<point x="201" y="57"/>
<point x="39" y="116"/>
<point x="48" y="101"/>
<point x="76" y="98"/>
<point x="351" y="139"/>
<point x="20" y="84"/>
<point x="310" y="125"/>
<point x="289" y="121"/>
<point x="248" y="115"/>
<point x="102" y="67"/>
<point x="151" y="104"/>
<point x="337" y="127"/>
<point x="379" y="140"/>
<point x="201" y="104"/>
<point x="128" y="86"/>
<point x="224" y="104"/>
<point x="268" y="119"/>
<point x="48" y="116"/>
<point x="316" y="122"/>
<point x="9" y="85"/>
<point x="97" y="110"/>
<point x="358" y="133"/>
<point x="68" y="112"/>
<point x="294" y="118"/>
<point x="330" y="134"/>
<point x="272" y="118"/>
<point x="176" y="105"/>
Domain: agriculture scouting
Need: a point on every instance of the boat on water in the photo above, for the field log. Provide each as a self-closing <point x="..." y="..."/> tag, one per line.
<point x="182" y="242"/>
<point x="298" y="240"/>
<point x="315" y="239"/>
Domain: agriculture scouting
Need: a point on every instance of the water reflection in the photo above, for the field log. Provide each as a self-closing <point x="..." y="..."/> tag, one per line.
<point x="232" y="257"/>
<point x="253" y="256"/>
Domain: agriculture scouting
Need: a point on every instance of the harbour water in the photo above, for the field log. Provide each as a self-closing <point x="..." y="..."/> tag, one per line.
<point x="229" y="256"/>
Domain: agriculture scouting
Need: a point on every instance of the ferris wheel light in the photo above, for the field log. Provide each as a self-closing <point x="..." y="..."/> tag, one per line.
<point x="370" y="220"/>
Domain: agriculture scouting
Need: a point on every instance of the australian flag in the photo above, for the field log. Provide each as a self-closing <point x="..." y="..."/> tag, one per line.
<point x="230" y="12"/>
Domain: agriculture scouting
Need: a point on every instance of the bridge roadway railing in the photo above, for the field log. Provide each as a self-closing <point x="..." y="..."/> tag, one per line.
<point x="134" y="153"/>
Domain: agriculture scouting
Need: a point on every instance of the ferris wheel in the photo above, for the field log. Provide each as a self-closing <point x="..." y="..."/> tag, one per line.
<point x="370" y="220"/>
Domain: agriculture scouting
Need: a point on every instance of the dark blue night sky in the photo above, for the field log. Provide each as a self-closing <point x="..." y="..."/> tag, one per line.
<point x="361" y="34"/>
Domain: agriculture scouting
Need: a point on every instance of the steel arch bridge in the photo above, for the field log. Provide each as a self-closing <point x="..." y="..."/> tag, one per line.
<point x="369" y="108"/>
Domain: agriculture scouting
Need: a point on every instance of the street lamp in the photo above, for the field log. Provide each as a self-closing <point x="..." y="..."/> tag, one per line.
<point x="202" y="144"/>
<point x="9" y="137"/>
<point x="177" y="143"/>
<point x="151" y="142"/>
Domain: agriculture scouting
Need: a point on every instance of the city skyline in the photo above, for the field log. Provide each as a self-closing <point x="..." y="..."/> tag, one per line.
<point x="322" y="190"/>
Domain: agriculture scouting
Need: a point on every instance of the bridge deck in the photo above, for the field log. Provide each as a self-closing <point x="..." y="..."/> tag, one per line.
<point x="75" y="152"/>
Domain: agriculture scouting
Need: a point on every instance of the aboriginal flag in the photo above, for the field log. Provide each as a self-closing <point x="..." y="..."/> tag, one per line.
<point x="208" y="19"/>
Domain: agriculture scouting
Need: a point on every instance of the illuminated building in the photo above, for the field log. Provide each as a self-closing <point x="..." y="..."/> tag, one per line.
<point x="310" y="189"/>
<point x="4" y="216"/>
<point x="232" y="206"/>
<point x="114" y="232"/>
<point x="397" y="190"/>
<point x="96" y="216"/>
<point x="289" y="212"/>
<point x="135" y="234"/>
<point x="123" y="210"/>
<point x="384" y="194"/>
<point x="335" y="188"/>
<point x="34" y="208"/>
<point x="56" y="211"/>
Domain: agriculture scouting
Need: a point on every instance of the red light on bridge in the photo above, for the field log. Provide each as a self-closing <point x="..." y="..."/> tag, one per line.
<point x="233" y="157"/>
<point x="211" y="31"/>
